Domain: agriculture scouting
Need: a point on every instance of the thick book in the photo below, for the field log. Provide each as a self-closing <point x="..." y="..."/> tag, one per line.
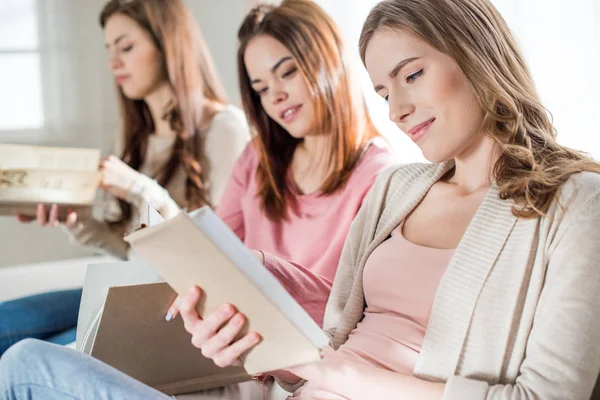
<point x="122" y="323"/>
<point x="199" y="249"/>
<point x="30" y="175"/>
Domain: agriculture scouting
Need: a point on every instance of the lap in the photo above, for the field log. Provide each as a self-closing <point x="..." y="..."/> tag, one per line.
<point x="56" y="372"/>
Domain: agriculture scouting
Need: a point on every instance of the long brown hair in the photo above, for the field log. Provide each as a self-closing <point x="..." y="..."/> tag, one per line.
<point x="193" y="80"/>
<point x="316" y="44"/>
<point x="532" y="165"/>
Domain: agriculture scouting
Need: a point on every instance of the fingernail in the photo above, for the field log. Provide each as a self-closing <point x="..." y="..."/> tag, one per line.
<point x="169" y="316"/>
<point x="238" y="319"/>
<point x="226" y="310"/>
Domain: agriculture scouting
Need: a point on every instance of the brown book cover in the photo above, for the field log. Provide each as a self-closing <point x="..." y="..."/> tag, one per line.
<point x="134" y="337"/>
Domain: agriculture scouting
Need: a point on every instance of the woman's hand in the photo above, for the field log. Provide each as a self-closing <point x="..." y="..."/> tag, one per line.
<point x="51" y="218"/>
<point x="216" y="333"/>
<point x="117" y="177"/>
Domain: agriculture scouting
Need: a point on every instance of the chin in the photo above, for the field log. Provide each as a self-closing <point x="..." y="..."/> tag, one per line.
<point x="436" y="156"/>
<point x="298" y="132"/>
<point x="133" y="93"/>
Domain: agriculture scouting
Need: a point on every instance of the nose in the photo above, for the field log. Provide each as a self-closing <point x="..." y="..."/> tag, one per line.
<point x="278" y="94"/>
<point x="400" y="108"/>
<point x="114" y="62"/>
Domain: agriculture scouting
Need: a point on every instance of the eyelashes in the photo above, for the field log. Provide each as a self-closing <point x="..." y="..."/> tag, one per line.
<point x="409" y="79"/>
<point x="285" y="75"/>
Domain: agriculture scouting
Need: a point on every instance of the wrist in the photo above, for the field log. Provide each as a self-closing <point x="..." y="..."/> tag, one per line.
<point x="145" y="189"/>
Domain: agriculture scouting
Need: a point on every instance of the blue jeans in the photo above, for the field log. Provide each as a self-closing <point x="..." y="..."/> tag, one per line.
<point x="49" y="316"/>
<point x="32" y="369"/>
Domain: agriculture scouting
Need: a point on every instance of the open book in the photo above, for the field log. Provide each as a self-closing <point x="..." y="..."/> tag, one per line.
<point x="122" y="314"/>
<point x="199" y="249"/>
<point x="30" y="175"/>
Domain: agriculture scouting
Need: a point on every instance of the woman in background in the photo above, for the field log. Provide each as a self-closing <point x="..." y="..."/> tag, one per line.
<point x="179" y="142"/>
<point x="293" y="193"/>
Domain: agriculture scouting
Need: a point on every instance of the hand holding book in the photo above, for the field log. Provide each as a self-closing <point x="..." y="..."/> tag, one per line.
<point x="52" y="215"/>
<point x="218" y="333"/>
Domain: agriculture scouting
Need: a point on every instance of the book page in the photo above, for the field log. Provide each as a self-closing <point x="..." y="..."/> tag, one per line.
<point x="48" y="158"/>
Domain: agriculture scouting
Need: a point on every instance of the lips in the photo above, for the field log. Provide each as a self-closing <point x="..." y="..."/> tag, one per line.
<point x="121" y="78"/>
<point x="288" y="114"/>
<point x="417" y="131"/>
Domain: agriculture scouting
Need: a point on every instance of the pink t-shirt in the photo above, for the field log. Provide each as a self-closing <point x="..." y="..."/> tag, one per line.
<point x="400" y="280"/>
<point x="303" y="251"/>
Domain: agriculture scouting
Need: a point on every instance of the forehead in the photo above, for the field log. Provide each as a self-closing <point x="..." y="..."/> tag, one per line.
<point x="262" y="53"/>
<point x="387" y="47"/>
<point x="119" y="24"/>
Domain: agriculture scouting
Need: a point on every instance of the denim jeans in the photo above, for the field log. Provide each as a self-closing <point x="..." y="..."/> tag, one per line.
<point x="49" y="316"/>
<point x="36" y="370"/>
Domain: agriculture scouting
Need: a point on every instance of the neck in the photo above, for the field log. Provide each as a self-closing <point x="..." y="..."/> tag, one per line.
<point x="473" y="170"/>
<point x="157" y="101"/>
<point x="317" y="149"/>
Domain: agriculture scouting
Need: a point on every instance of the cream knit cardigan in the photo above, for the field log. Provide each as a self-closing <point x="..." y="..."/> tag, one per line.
<point x="517" y="313"/>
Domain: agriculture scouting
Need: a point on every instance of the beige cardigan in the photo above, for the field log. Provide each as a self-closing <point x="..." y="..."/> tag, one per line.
<point x="517" y="313"/>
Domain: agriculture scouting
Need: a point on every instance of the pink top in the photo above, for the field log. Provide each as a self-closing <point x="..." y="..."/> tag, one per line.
<point x="303" y="251"/>
<point x="400" y="280"/>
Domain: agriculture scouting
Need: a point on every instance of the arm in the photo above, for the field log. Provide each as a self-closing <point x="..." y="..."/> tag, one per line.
<point x="94" y="233"/>
<point x="225" y="141"/>
<point x="309" y="290"/>
<point x="562" y="356"/>
<point x="230" y="208"/>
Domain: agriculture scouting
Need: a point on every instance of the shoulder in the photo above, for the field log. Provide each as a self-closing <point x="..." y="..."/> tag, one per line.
<point x="578" y="193"/>
<point x="249" y="158"/>
<point x="229" y="122"/>
<point x="408" y="175"/>
<point x="377" y="156"/>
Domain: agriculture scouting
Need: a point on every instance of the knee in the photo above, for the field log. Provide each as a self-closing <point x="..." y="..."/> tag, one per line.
<point x="27" y="352"/>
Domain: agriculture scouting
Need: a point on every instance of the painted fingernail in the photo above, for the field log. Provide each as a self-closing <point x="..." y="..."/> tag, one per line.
<point x="169" y="316"/>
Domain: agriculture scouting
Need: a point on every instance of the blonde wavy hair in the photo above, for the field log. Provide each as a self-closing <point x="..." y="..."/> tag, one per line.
<point x="532" y="165"/>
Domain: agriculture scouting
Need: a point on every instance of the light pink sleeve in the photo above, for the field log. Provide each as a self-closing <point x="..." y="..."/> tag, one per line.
<point x="230" y="207"/>
<point x="311" y="291"/>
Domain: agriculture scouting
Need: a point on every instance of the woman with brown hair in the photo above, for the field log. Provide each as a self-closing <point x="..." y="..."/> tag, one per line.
<point x="297" y="187"/>
<point x="476" y="276"/>
<point x="178" y="146"/>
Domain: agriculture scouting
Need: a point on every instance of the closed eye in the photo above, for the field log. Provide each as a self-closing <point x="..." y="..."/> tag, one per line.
<point x="290" y="72"/>
<point x="262" y="91"/>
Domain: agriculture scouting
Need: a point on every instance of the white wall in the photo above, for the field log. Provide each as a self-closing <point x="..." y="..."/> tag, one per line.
<point x="78" y="111"/>
<point x="79" y="102"/>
